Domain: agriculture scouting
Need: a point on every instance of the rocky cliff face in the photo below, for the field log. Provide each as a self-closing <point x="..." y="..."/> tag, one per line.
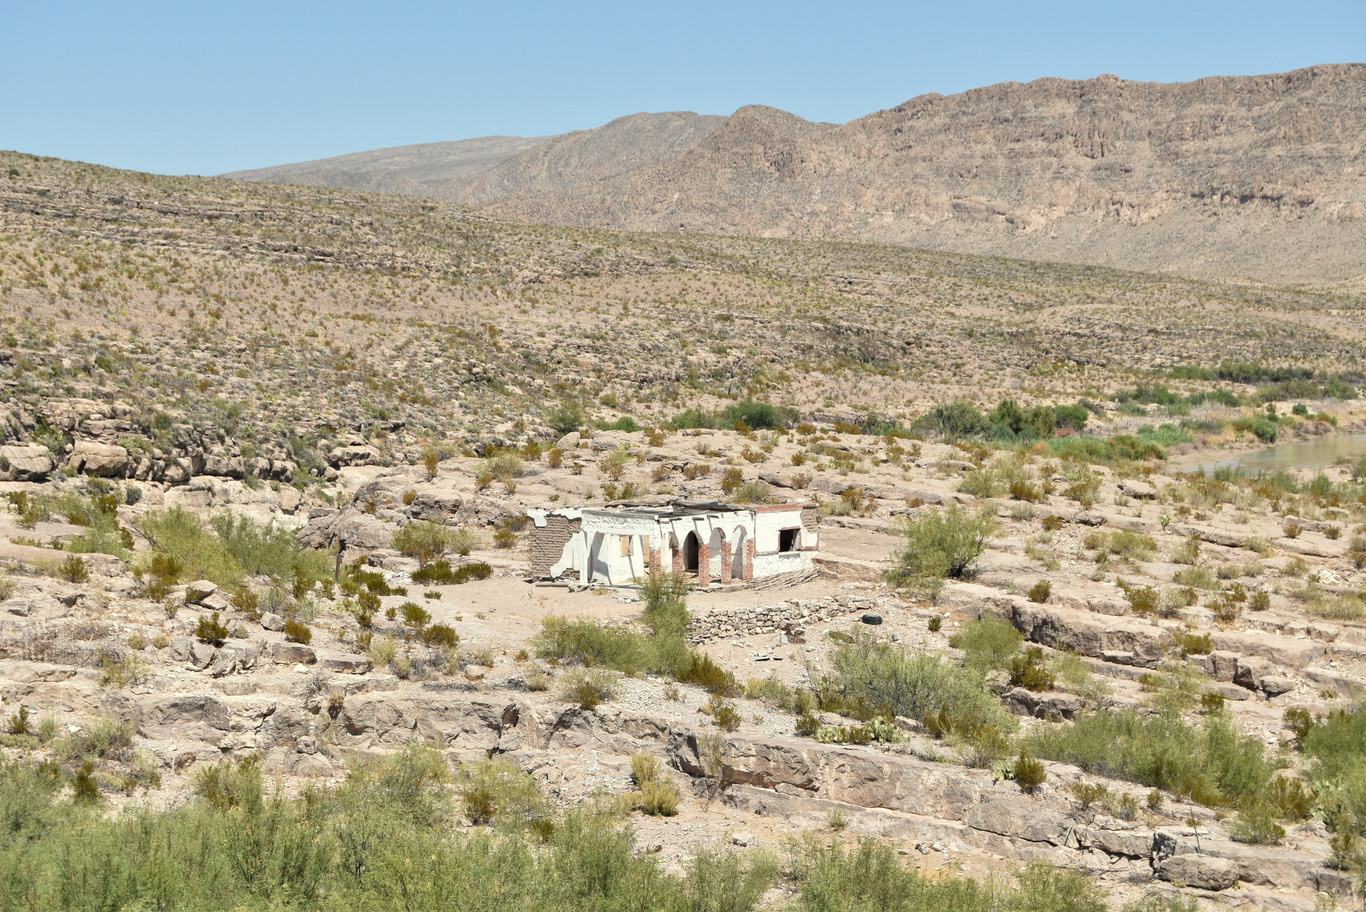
<point x="1261" y="176"/>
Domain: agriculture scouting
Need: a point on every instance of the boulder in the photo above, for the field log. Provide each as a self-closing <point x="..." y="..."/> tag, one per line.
<point x="1140" y="489"/>
<point x="1042" y="705"/>
<point x="1283" y="651"/>
<point x="292" y="654"/>
<point x="223" y="466"/>
<point x="199" y="590"/>
<point x="351" y="528"/>
<point x="271" y="621"/>
<point x="1203" y="872"/>
<point x="104" y="460"/>
<point x="353" y="455"/>
<point x="345" y="663"/>
<point x="1251" y="670"/>
<point x="1276" y="685"/>
<point x="184" y="717"/>
<point x="1124" y="641"/>
<point x="25" y="462"/>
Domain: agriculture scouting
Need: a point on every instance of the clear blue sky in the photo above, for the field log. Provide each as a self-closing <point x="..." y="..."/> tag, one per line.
<point x="203" y="88"/>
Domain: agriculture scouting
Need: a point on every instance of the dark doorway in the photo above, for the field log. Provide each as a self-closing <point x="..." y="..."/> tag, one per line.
<point x="690" y="553"/>
<point x="787" y="539"/>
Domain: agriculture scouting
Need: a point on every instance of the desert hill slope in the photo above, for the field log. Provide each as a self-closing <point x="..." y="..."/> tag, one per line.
<point x="1261" y="176"/>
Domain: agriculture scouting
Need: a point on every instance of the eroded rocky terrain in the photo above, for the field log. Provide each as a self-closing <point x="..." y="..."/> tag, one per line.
<point x="106" y="648"/>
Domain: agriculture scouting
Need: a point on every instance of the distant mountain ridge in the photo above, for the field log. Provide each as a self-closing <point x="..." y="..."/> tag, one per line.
<point x="1256" y="176"/>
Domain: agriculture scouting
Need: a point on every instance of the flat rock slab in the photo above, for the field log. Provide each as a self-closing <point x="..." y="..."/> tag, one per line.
<point x="1283" y="651"/>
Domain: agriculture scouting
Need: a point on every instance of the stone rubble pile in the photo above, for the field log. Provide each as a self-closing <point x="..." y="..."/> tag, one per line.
<point x="789" y="616"/>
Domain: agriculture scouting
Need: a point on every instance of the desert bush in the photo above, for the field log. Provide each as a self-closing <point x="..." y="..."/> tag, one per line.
<point x="1256" y="823"/>
<point x="423" y="540"/>
<point x="296" y="631"/>
<point x="1345" y="607"/>
<point x="1210" y="763"/>
<point x="1030" y="671"/>
<point x="731" y="480"/>
<point x="760" y="416"/>
<point x="230" y="783"/>
<point x="585" y="642"/>
<point x="659" y="796"/>
<point x="1134" y="546"/>
<point x="178" y="536"/>
<point x="954" y="420"/>
<point x="588" y="687"/>
<point x="939" y="545"/>
<point x="1029" y="773"/>
<point x="210" y="630"/>
<point x="1188" y="643"/>
<point x="73" y="569"/>
<point x="1040" y="591"/>
<point x="1196" y="578"/>
<point x="440" y="573"/>
<point x="494" y="790"/>
<point x="873" y="679"/>
<point x="723" y="713"/>
<point x="753" y="492"/>
<point x="382" y="840"/>
<point x="987" y="643"/>
<point x="831" y="877"/>
<point x="441" y="635"/>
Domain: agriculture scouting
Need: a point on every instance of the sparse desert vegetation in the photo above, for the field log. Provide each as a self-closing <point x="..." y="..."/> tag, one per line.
<point x="246" y="427"/>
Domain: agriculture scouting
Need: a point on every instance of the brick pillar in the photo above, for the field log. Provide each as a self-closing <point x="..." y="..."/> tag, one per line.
<point x="678" y="560"/>
<point x="749" y="561"/>
<point x="703" y="566"/>
<point x="652" y="559"/>
<point x="725" y="562"/>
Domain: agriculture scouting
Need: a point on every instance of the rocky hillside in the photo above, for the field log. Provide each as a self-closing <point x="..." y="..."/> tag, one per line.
<point x="1259" y="176"/>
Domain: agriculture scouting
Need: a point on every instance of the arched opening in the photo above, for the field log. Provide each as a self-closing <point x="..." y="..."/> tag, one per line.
<point x="737" y="554"/>
<point x="715" y="550"/>
<point x="690" y="553"/>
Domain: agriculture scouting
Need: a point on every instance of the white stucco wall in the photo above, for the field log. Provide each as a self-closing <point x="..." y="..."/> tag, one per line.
<point x="596" y="550"/>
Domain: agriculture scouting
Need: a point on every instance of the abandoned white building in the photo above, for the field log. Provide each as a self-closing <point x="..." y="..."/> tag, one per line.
<point x="613" y="545"/>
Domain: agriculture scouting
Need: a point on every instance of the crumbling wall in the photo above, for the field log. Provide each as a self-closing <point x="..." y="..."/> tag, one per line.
<point x="548" y="542"/>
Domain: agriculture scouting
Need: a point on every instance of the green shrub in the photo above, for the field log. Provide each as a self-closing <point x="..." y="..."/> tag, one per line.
<point x="761" y="416"/>
<point x="1196" y="578"/>
<point x="382" y="840"/>
<point x="939" y="545"/>
<point x="705" y="673"/>
<point x="497" y="790"/>
<point x="882" y="679"/>
<point x="1289" y="799"/>
<point x="1256" y="824"/>
<point x="588" y="687"/>
<point x="442" y="635"/>
<point x="229" y="784"/>
<point x="423" y="540"/>
<point x="73" y="569"/>
<point x="1029" y="670"/>
<point x="296" y="631"/>
<point x="1040" y="591"/>
<point x="210" y="630"/>
<point x="1029" y="773"/>
<point x="179" y="538"/>
<point x="440" y="573"/>
<point x="588" y="643"/>
<point x="831" y="877"/>
<point x="987" y="643"/>
<point x="1210" y="763"/>
<point x="1188" y="643"/>
<point x="954" y="420"/>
